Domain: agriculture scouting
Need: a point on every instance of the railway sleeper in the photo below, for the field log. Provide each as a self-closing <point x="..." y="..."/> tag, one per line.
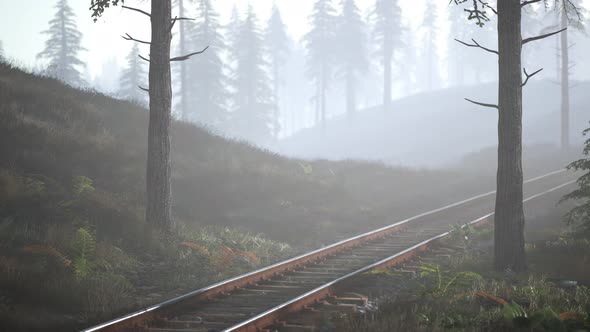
<point x="179" y="324"/>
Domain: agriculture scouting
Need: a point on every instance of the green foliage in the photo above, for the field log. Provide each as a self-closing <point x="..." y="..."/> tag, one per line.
<point x="442" y="282"/>
<point x="581" y="213"/>
<point x="513" y="312"/>
<point x="82" y="185"/>
<point x="84" y="247"/>
<point x="97" y="7"/>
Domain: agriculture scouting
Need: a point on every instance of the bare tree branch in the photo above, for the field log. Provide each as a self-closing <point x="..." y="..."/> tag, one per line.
<point x="128" y="37"/>
<point x="482" y="104"/>
<point x="528" y="40"/>
<point x="144" y="89"/>
<point x="476" y="44"/>
<point x="188" y="56"/>
<point x="143" y="58"/>
<point x="179" y="19"/>
<point x="529" y="76"/>
<point x="138" y="10"/>
<point x="529" y="2"/>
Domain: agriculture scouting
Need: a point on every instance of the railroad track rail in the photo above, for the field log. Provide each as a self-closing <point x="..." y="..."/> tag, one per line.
<point x="257" y="300"/>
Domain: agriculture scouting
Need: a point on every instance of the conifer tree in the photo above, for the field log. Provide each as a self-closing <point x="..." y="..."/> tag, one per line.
<point x="182" y="66"/>
<point x="430" y="45"/>
<point x="134" y="76"/>
<point x="509" y="244"/>
<point x="206" y="93"/>
<point x="320" y="45"/>
<point x="159" y="169"/>
<point x="1" y="51"/>
<point x="277" y="42"/>
<point x="62" y="47"/>
<point x="252" y="105"/>
<point x="387" y="32"/>
<point x="351" y="39"/>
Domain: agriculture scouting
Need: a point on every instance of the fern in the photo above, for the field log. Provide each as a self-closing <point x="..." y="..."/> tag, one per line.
<point x="82" y="185"/>
<point x="84" y="246"/>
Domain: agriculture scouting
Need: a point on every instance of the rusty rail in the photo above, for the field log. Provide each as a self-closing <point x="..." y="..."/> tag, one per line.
<point x="267" y="318"/>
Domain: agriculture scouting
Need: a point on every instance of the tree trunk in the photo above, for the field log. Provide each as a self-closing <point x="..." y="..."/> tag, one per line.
<point x="565" y="84"/>
<point x="276" y="113"/>
<point x="183" y="84"/>
<point x="509" y="216"/>
<point x="323" y="92"/>
<point x="387" y="57"/>
<point x="350" y="102"/>
<point x="430" y="59"/>
<point x="158" y="158"/>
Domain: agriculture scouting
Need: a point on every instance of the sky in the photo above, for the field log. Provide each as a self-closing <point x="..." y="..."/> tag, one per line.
<point x="21" y="24"/>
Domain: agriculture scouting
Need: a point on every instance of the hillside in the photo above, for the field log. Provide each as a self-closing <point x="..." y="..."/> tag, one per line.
<point x="71" y="206"/>
<point x="72" y="236"/>
<point x="57" y="132"/>
<point x="435" y="129"/>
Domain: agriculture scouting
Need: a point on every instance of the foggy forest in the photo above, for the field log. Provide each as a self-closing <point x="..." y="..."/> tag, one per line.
<point x="294" y="166"/>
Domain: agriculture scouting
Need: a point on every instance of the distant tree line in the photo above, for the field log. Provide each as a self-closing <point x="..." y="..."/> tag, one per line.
<point x="248" y="83"/>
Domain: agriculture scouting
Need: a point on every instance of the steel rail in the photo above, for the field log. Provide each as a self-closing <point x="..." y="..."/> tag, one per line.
<point x="255" y="324"/>
<point x="231" y="284"/>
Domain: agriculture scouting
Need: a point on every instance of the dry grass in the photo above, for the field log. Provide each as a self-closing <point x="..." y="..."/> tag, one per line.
<point x="55" y="140"/>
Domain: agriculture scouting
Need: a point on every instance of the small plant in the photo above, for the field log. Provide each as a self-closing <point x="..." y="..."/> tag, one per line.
<point x="82" y="185"/>
<point x="84" y="246"/>
<point x="581" y="213"/>
<point x="442" y="282"/>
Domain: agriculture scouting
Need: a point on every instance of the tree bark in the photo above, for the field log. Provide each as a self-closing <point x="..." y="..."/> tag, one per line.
<point x="276" y="113"/>
<point x="430" y="58"/>
<point x="158" y="159"/>
<point x="565" y="84"/>
<point x="509" y="215"/>
<point x="387" y="58"/>
<point x="323" y="92"/>
<point x="183" y="76"/>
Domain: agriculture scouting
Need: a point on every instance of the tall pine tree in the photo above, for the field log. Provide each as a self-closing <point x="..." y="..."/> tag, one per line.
<point x="320" y="44"/>
<point x="278" y="43"/>
<point x="206" y="93"/>
<point x="387" y="32"/>
<point x="183" y="65"/>
<point x="351" y="39"/>
<point x="63" y="46"/>
<point x="252" y="99"/>
<point x="1" y="51"/>
<point x="134" y="76"/>
<point x="430" y="49"/>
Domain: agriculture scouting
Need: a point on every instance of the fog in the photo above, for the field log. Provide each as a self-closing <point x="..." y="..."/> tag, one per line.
<point x="306" y="78"/>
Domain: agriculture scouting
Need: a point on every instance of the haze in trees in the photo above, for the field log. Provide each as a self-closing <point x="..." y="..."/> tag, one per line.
<point x="387" y="34"/>
<point x="253" y="165"/>
<point x="133" y="77"/>
<point x="320" y="45"/>
<point x="278" y="44"/>
<point x="351" y="50"/>
<point x="252" y="103"/>
<point x="63" y="46"/>
<point x="206" y="93"/>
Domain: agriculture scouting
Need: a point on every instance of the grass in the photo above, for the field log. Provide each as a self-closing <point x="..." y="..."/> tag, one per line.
<point x="462" y="293"/>
<point x="74" y="249"/>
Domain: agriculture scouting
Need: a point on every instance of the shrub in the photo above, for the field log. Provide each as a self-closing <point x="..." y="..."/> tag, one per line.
<point x="581" y="213"/>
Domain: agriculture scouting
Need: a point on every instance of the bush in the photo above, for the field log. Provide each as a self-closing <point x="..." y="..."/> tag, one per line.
<point x="581" y="213"/>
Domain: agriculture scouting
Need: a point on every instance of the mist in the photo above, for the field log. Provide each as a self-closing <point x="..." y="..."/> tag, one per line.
<point x="294" y="165"/>
<point x="314" y="100"/>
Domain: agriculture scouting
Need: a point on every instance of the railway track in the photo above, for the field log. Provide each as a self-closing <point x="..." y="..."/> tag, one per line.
<point x="257" y="300"/>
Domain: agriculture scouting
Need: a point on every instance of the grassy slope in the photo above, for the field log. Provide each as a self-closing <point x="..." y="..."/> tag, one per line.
<point x="59" y="132"/>
<point x="50" y="134"/>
